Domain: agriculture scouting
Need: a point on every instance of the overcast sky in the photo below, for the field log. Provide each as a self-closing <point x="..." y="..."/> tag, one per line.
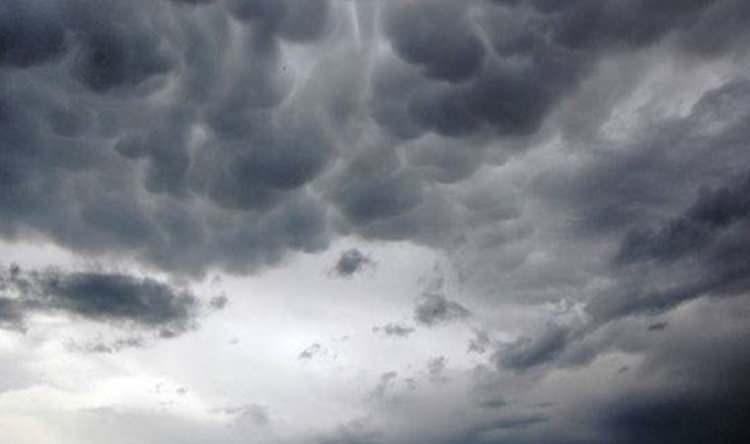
<point x="374" y="221"/>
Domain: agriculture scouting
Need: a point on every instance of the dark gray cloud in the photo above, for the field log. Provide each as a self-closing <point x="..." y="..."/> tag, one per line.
<point x="709" y="241"/>
<point x="714" y="213"/>
<point x="196" y="135"/>
<point x="108" y="59"/>
<point x="111" y="298"/>
<point x="114" y="297"/>
<point x="658" y="326"/>
<point x="29" y="33"/>
<point x="107" y="63"/>
<point x="667" y="419"/>
<point x="669" y="394"/>
<point x="437" y="36"/>
<point x="679" y="237"/>
<point x="348" y="149"/>
<point x="434" y="309"/>
<point x="351" y="262"/>
<point x="538" y="54"/>
<point x="528" y="352"/>
<point x="621" y="191"/>
<point x="172" y="181"/>
<point x="675" y="397"/>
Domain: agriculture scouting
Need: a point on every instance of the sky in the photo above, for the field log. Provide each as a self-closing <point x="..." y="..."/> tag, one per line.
<point x="374" y="221"/>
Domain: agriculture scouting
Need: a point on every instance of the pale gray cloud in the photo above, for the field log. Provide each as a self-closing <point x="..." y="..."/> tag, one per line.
<point x="394" y="330"/>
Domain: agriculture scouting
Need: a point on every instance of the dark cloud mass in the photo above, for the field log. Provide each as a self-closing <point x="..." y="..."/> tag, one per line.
<point x="585" y="161"/>
<point x="29" y="34"/>
<point x="434" y="309"/>
<point x="675" y="397"/>
<point x="110" y="298"/>
<point x="173" y="141"/>
<point x="115" y="297"/>
<point x="351" y="262"/>
<point x="529" y="352"/>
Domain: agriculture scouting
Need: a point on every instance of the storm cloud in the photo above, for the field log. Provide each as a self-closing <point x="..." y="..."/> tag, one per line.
<point x="580" y="167"/>
<point x="110" y="298"/>
<point x="227" y="141"/>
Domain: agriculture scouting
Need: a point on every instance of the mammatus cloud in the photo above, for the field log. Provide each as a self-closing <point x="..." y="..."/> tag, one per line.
<point x="341" y="150"/>
<point x="371" y="150"/>
<point x="585" y="151"/>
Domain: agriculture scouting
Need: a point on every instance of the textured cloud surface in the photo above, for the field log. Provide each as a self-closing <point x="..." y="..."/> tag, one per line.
<point x="551" y="200"/>
<point x="115" y="298"/>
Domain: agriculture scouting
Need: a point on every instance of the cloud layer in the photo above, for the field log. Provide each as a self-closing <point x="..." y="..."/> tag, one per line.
<point x="582" y="165"/>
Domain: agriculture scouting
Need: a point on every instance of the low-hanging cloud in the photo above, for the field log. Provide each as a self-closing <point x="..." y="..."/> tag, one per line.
<point x="110" y="298"/>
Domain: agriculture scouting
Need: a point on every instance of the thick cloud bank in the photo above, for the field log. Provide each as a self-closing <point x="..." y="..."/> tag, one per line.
<point x="192" y="135"/>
